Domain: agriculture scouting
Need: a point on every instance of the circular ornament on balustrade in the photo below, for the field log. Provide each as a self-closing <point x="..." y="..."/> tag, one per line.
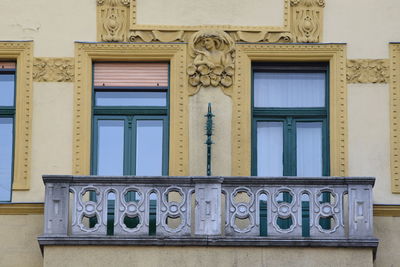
<point x="326" y="210"/>
<point x="90" y="208"/>
<point x="242" y="210"/>
<point x="131" y="208"/>
<point x="284" y="211"/>
<point x="174" y="208"/>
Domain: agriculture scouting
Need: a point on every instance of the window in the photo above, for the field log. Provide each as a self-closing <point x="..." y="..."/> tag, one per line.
<point x="130" y="119"/>
<point x="130" y="127"/>
<point x="7" y="117"/>
<point x="290" y="120"/>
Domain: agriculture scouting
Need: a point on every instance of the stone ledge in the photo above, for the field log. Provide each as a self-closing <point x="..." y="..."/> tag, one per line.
<point x="207" y="241"/>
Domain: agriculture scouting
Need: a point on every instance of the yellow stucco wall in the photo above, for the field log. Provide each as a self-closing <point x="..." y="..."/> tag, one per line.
<point x="54" y="25"/>
<point x="367" y="26"/>
<point x="388" y="231"/>
<point x="369" y="144"/>
<point x="18" y="246"/>
<point x="51" y="136"/>
<point x="202" y="256"/>
<point x="210" y="12"/>
<point x="221" y="149"/>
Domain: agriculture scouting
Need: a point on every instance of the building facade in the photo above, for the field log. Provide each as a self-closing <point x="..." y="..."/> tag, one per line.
<point x="106" y="96"/>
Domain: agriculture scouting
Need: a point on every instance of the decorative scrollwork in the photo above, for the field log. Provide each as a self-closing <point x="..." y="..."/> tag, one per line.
<point x="307" y="20"/>
<point x="242" y="210"/>
<point x="367" y="71"/>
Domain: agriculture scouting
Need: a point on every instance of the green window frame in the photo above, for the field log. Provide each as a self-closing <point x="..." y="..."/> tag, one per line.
<point x="289" y="117"/>
<point x="7" y="112"/>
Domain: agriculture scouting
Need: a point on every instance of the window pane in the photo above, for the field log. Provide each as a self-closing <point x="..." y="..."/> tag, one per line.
<point x="149" y="147"/>
<point x="110" y="159"/>
<point x="309" y="148"/>
<point x="131" y="98"/>
<point x="269" y="148"/>
<point x="285" y="90"/>
<point x="7" y="90"/>
<point x="6" y="149"/>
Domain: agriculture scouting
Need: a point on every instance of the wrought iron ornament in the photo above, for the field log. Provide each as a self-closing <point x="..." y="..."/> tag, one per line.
<point x="209" y="133"/>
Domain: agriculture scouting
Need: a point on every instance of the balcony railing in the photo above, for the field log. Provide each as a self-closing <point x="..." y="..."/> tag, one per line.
<point x="234" y="211"/>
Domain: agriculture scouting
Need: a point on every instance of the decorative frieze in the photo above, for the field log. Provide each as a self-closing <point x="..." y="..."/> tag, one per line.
<point x="367" y="71"/>
<point x="53" y="70"/>
<point x="112" y="20"/>
<point x="213" y="54"/>
<point x="307" y="20"/>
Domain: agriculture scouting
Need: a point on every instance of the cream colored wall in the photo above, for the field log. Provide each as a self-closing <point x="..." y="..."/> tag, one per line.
<point x="204" y="256"/>
<point x="369" y="144"/>
<point x="210" y="12"/>
<point x="51" y="136"/>
<point x="18" y="246"/>
<point x="388" y="231"/>
<point x="367" y="26"/>
<point x="221" y="149"/>
<point x="54" y="25"/>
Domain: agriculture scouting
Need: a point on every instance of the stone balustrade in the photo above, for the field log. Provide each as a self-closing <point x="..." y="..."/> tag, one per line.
<point x="256" y="211"/>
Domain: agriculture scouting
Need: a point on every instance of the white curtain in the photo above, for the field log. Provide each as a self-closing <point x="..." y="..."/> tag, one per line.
<point x="287" y="90"/>
<point x="269" y="148"/>
<point x="309" y="148"/>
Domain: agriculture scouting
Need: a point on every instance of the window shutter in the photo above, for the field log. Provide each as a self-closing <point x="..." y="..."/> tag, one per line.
<point x="131" y="74"/>
<point x="7" y="65"/>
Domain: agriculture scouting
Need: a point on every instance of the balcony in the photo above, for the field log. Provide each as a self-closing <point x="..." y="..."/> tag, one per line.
<point x="209" y="211"/>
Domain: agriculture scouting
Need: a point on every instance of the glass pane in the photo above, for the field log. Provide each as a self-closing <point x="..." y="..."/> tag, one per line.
<point x="309" y="148"/>
<point x="269" y="148"/>
<point x="149" y="147"/>
<point x="6" y="149"/>
<point x="131" y="98"/>
<point x="110" y="157"/>
<point x="7" y="90"/>
<point x="288" y="90"/>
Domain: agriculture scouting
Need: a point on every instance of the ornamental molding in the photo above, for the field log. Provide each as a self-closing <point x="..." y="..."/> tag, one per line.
<point x="394" y="116"/>
<point x="302" y="23"/>
<point x="241" y="97"/>
<point x="53" y="70"/>
<point x="307" y="20"/>
<point x="368" y="71"/>
<point x="212" y="63"/>
<point x="175" y="54"/>
<point x="22" y="53"/>
<point x="112" y="20"/>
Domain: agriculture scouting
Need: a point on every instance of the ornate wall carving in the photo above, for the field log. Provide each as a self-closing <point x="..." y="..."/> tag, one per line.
<point x="307" y="21"/>
<point x="213" y="55"/>
<point x="112" y="20"/>
<point x="367" y="71"/>
<point x="53" y="70"/>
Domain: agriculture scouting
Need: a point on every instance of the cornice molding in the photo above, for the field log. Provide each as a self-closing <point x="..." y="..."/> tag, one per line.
<point x="386" y="210"/>
<point x="368" y="71"/>
<point x="53" y="69"/>
<point x="21" y="208"/>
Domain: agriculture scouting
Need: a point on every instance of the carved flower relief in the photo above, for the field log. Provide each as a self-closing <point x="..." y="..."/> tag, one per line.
<point x="53" y="70"/>
<point x="367" y="71"/>
<point x="205" y="76"/>
<point x="308" y="3"/>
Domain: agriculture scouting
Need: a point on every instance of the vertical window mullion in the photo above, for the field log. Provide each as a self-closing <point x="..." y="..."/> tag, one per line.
<point x="165" y="146"/>
<point x="128" y="136"/>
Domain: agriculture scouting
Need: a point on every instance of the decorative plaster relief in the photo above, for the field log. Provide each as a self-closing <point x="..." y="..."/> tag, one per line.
<point x="307" y="20"/>
<point x="213" y="54"/>
<point x="112" y="20"/>
<point x="53" y="70"/>
<point x="367" y="71"/>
